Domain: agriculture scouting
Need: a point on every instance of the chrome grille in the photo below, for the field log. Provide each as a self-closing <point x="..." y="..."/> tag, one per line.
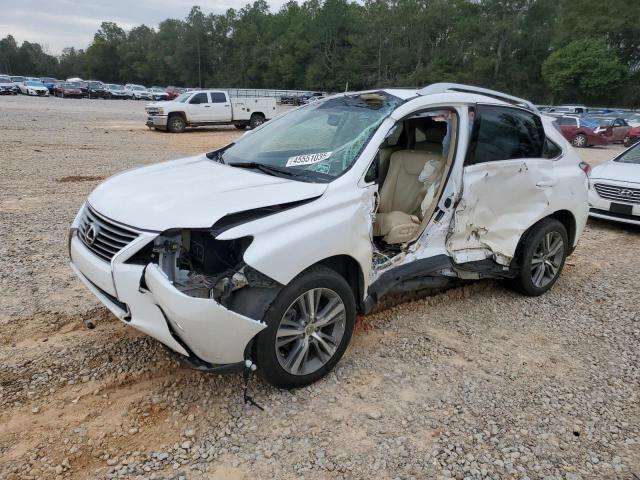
<point x="102" y="236"/>
<point x="152" y="110"/>
<point x="618" y="193"/>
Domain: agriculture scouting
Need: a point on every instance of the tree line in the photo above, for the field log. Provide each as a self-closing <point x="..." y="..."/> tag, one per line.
<point x="547" y="50"/>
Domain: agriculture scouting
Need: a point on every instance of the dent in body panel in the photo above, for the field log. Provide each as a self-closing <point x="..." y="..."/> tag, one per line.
<point x="489" y="220"/>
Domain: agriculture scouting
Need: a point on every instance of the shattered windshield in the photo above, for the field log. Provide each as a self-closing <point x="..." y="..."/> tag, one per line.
<point x="630" y="156"/>
<point x="319" y="141"/>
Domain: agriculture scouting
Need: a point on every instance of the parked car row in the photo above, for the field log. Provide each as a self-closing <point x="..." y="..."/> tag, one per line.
<point x="79" y="88"/>
<point x="600" y="129"/>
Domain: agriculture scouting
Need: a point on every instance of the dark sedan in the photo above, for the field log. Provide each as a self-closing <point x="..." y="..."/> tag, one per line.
<point x="96" y="89"/>
<point x="67" y="90"/>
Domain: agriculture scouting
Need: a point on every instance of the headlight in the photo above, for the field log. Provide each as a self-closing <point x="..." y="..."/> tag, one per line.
<point x="201" y="266"/>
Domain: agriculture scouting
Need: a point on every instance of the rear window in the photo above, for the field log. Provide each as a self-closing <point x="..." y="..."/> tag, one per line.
<point x="505" y="133"/>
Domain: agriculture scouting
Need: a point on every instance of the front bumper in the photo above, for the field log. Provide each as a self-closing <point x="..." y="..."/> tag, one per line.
<point x="144" y="298"/>
<point x="600" y="207"/>
<point x="157" y="121"/>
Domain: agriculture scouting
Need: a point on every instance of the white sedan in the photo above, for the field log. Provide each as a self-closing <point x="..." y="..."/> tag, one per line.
<point x="614" y="188"/>
<point x="35" y="88"/>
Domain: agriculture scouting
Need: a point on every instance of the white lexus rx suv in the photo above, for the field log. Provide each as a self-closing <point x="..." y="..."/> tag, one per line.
<point x="263" y="252"/>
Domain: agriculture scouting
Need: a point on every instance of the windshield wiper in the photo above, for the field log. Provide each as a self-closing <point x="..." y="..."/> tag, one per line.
<point x="268" y="169"/>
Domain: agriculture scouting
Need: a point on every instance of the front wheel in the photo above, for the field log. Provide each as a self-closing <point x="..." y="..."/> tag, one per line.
<point x="309" y="326"/>
<point x="176" y="124"/>
<point x="542" y="255"/>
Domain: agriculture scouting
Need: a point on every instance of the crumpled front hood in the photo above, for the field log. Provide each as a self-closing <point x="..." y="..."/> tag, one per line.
<point x="192" y="192"/>
<point x="617" y="171"/>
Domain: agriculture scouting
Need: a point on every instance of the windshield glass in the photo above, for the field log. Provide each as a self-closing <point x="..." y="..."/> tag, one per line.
<point x="17" y="79"/>
<point x="94" y="84"/>
<point x="138" y="88"/>
<point x="5" y="80"/>
<point x="113" y="86"/>
<point x="69" y="85"/>
<point x="323" y="138"/>
<point x="33" y="83"/>
<point x="630" y="156"/>
<point x="182" y="98"/>
<point x="47" y="80"/>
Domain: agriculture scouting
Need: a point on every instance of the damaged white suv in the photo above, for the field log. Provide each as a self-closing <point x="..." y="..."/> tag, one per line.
<point x="263" y="252"/>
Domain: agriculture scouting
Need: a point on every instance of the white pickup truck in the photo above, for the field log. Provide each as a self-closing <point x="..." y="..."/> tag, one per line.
<point x="198" y="108"/>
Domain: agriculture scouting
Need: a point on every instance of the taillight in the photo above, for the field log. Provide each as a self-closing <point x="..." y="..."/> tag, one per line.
<point x="585" y="167"/>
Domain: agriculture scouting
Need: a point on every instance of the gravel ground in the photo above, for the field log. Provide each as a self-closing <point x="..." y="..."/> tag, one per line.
<point x="476" y="382"/>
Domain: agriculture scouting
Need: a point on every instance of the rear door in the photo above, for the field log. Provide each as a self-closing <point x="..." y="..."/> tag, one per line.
<point x="507" y="184"/>
<point x="219" y="107"/>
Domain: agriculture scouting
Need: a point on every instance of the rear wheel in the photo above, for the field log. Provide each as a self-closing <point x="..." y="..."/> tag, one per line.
<point x="176" y="124"/>
<point x="256" y="120"/>
<point x="309" y="326"/>
<point x="542" y="255"/>
<point x="579" y="141"/>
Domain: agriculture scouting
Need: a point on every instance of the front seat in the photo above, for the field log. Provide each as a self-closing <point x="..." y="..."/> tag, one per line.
<point x="399" y="216"/>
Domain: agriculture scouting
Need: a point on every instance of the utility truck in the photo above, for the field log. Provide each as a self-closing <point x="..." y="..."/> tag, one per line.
<point x="198" y="108"/>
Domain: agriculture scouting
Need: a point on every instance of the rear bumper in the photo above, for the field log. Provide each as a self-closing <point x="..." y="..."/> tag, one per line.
<point x="211" y="336"/>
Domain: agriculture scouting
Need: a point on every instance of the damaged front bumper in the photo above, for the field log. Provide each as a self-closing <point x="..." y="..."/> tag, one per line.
<point x="207" y="335"/>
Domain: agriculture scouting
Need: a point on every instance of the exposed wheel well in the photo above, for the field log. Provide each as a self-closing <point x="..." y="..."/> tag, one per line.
<point x="350" y="270"/>
<point x="179" y="114"/>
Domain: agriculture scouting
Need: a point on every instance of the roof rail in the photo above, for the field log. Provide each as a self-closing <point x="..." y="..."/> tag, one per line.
<point x="458" y="87"/>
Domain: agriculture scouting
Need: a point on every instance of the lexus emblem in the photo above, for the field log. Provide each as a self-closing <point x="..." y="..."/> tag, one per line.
<point x="90" y="233"/>
<point x="626" y="193"/>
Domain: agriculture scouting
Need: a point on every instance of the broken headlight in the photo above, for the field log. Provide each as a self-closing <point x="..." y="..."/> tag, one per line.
<point x="201" y="266"/>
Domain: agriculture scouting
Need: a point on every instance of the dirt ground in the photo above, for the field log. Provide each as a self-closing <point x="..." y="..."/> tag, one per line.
<point x="476" y="382"/>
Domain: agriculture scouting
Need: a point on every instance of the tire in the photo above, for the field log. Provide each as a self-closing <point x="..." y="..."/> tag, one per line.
<point x="308" y="350"/>
<point x="579" y="141"/>
<point x="256" y="120"/>
<point x="240" y="126"/>
<point x="176" y="124"/>
<point x="541" y="258"/>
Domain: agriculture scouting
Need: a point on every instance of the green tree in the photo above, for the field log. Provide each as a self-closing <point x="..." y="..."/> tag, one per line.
<point x="583" y="69"/>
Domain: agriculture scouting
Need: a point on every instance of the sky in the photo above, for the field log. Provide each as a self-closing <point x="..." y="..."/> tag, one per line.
<point x="57" y="24"/>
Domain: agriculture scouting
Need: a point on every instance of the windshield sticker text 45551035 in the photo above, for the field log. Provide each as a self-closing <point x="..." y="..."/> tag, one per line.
<point x="308" y="159"/>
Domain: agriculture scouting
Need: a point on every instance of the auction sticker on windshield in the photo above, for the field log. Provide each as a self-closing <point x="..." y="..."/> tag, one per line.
<point x="308" y="159"/>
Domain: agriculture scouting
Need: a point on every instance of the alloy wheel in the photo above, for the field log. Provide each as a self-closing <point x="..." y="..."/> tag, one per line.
<point x="580" y="141"/>
<point x="310" y="331"/>
<point x="547" y="259"/>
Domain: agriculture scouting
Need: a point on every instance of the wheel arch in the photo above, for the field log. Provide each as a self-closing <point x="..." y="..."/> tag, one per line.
<point x="348" y="268"/>
<point x="565" y="217"/>
<point x="178" y="113"/>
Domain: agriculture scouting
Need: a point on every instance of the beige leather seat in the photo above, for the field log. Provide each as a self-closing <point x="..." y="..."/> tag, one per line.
<point x="431" y="139"/>
<point x="399" y="216"/>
